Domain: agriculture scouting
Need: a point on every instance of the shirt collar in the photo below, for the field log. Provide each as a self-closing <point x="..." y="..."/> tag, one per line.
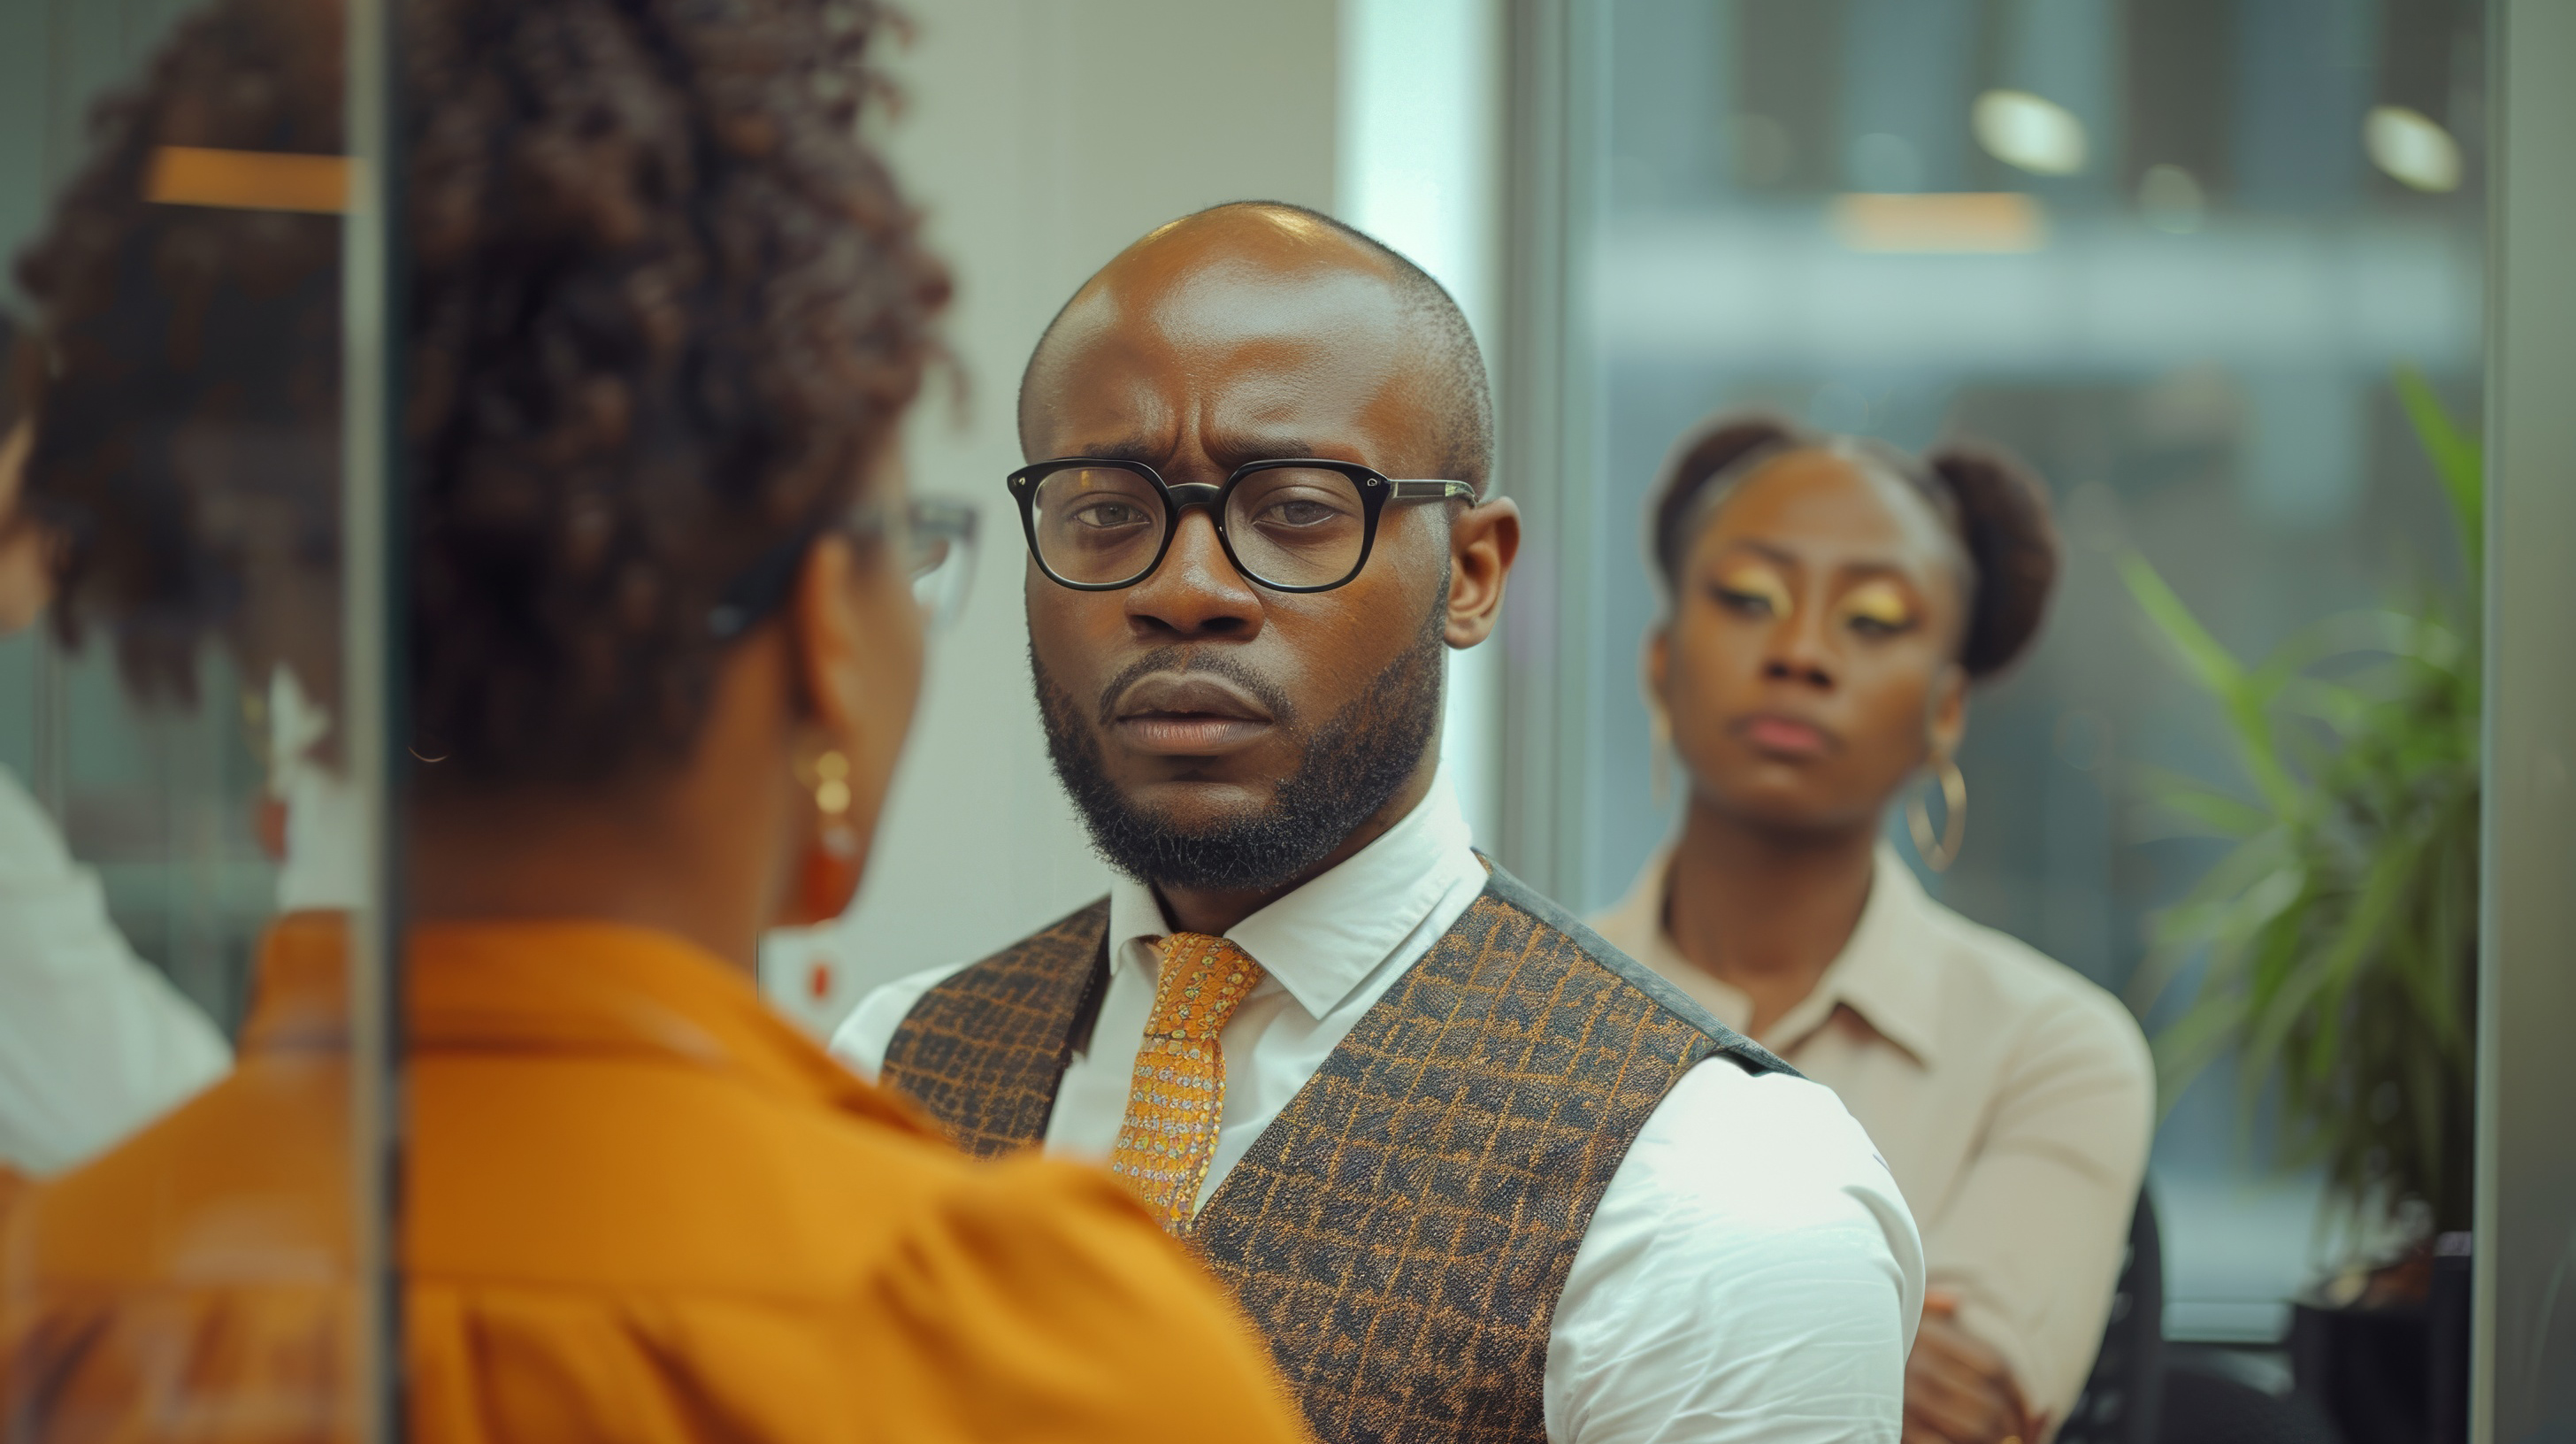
<point x="1884" y="972"/>
<point x="1324" y="939"/>
<point x="565" y="987"/>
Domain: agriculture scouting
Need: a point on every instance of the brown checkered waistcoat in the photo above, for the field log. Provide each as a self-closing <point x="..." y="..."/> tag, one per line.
<point x="1402" y="1231"/>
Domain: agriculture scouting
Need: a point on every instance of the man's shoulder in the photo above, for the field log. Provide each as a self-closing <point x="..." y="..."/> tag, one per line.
<point x="1511" y="893"/>
<point x="1069" y="944"/>
<point x="861" y="1039"/>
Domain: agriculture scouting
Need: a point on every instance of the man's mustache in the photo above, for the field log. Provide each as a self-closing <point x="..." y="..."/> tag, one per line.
<point x="1178" y="659"/>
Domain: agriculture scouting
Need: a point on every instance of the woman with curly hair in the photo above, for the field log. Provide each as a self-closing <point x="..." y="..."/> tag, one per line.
<point x="1829" y="603"/>
<point x="665" y="309"/>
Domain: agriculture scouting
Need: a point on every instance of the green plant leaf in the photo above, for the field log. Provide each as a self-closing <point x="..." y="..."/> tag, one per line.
<point x="2200" y="809"/>
<point x="2242" y="697"/>
<point x="2458" y="460"/>
<point x="2334" y="944"/>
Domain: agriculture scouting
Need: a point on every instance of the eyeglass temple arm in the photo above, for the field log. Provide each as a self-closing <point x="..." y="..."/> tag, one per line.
<point x="1429" y="490"/>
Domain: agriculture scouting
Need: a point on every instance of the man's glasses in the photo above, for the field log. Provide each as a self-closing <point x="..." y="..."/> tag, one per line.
<point x="932" y="540"/>
<point x="1294" y="525"/>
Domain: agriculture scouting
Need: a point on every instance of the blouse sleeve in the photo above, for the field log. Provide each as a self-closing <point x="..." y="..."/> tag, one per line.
<point x="2031" y="1240"/>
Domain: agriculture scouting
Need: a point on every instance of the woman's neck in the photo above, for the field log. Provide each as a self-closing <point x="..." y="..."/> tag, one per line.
<point x="535" y="857"/>
<point x="1762" y="910"/>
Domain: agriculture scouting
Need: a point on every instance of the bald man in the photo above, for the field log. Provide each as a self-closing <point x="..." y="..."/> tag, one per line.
<point x="1475" y="1174"/>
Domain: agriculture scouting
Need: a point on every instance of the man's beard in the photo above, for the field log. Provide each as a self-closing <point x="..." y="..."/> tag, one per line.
<point x="1349" y="768"/>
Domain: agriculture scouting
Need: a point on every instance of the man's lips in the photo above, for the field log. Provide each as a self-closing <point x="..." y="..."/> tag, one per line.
<point x="1187" y="714"/>
<point x="1784" y="737"/>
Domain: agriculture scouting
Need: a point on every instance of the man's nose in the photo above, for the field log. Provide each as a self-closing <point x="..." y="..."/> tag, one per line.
<point x="1196" y="592"/>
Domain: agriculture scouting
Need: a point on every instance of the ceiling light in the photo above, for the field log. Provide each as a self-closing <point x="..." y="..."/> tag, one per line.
<point x="2022" y="129"/>
<point x="2412" y="148"/>
<point x="2171" y="199"/>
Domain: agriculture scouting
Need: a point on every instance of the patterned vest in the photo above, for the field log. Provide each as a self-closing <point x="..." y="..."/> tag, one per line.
<point x="1401" y="1232"/>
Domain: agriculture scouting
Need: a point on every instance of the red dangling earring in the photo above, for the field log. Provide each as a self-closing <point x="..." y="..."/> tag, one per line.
<point x="829" y="875"/>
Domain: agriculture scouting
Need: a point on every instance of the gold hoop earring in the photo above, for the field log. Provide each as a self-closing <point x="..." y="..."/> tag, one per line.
<point x="1939" y="854"/>
<point x="1659" y="757"/>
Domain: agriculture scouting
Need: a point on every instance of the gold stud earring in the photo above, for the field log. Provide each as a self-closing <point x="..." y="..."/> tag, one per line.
<point x="829" y="875"/>
<point x="832" y="784"/>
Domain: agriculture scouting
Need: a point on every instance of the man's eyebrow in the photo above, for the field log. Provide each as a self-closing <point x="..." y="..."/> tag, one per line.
<point x="1132" y="449"/>
<point x="1226" y="451"/>
<point x="1236" y="449"/>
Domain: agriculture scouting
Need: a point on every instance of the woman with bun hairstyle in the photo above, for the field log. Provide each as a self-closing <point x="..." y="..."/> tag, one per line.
<point x="1830" y="602"/>
<point x="666" y="310"/>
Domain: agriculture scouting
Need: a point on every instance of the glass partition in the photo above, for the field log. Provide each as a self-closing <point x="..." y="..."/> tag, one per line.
<point x="2214" y="270"/>
<point x="2525" y="1371"/>
<point x="191" y="643"/>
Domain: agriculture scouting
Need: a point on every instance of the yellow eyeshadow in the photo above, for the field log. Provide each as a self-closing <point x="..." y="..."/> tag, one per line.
<point x="1878" y="602"/>
<point x="1760" y="582"/>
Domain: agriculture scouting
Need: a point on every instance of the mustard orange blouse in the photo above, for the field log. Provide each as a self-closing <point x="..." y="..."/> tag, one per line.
<point x="640" y="1206"/>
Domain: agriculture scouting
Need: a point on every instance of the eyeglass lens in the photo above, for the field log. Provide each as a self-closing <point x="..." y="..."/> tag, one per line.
<point x="940" y="558"/>
<point x="1289" y="526"/>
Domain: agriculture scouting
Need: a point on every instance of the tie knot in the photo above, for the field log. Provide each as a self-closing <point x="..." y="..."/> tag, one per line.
<point x="1204" y="979"/>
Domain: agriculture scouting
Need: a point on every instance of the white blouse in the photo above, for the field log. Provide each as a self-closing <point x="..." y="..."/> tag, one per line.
<point x="2012" y="1098"/>
<point x="94" y="1042"/>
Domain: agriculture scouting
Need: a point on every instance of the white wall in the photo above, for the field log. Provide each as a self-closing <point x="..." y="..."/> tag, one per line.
<point x="1041" y="136"/>
<point x="1419" y="166"/>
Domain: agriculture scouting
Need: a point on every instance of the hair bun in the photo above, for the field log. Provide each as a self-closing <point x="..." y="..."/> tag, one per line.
<point x="2004" y="519"/>
<point x="1701" y="454"/>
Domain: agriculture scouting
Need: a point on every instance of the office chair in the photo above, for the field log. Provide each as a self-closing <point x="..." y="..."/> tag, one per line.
<point x="2123" y="1399"/>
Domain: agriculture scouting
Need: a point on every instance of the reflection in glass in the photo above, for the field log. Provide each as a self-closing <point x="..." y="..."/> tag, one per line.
<point x="174" y="1079"/>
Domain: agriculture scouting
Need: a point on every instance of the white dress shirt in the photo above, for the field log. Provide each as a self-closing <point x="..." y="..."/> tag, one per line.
<point x="2012" y="1098"/>
<point x="94" y="1042"/>
<point x="1751" y="1272"/>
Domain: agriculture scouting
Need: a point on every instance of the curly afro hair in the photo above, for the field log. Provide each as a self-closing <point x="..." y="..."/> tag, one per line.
<point x="1995" y="507"/>
<point x="664" y="308"/>
<point x="185" y="366"/>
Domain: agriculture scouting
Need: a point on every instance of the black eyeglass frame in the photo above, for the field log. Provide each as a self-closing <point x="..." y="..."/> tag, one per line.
<point x="1376" y="490"/>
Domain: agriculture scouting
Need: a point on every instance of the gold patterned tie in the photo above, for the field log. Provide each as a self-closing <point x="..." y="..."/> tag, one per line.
<point x="1178" y="1093"/>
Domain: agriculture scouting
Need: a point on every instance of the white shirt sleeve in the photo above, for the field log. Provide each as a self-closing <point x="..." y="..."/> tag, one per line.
<point x="860" y="1042"/>
<point x="94" y="1042"/>
<point x="1751" y="1273"/>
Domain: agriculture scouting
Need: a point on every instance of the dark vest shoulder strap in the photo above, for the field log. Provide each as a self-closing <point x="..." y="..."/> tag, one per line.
<point x="983" y="1051"/>
<point x="1754" y="1057"/>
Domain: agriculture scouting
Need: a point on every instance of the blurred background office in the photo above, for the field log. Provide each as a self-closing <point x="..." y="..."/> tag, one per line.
<point x="2177" y="253"/>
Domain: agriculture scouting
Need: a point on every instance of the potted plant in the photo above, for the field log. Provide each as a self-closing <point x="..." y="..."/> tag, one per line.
<point x="2338" y="936"/>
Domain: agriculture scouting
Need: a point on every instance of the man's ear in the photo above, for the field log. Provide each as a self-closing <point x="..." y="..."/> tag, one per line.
<point x="824" y="631"/>
<point x="1483" y="541"/>
<point x="1655" y="664"/>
